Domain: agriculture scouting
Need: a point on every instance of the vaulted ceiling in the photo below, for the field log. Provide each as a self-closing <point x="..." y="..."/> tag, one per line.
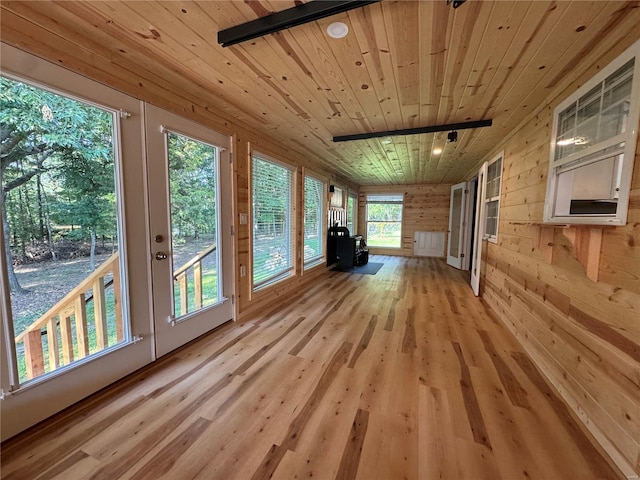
<point x="404" y="64"/>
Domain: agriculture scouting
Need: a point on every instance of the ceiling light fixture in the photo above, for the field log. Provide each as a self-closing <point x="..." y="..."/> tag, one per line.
<point x="385" y="142"/>
<point x="337" y="30"/>
<point x="452" y="136"/>
<point x="437" y="151"/>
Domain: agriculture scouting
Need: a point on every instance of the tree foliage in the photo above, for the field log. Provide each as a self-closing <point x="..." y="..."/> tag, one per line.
<point x="57" y="150"/>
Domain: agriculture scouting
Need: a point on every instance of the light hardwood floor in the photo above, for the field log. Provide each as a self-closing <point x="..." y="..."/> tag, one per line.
<point x="399" y="375"/>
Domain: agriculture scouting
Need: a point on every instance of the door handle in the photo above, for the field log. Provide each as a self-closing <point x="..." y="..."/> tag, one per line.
<point x="161" y="256"/>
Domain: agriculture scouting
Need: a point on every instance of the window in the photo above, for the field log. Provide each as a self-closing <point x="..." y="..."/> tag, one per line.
<point x="337" y="200"/>
<point x="313" y="201"/>
<point x="272" y="196"/>
<point x="384" y="220"/>
<point x="492" y="198"/>
<point x="593" y="146"/>
<point x="352" y="203"/>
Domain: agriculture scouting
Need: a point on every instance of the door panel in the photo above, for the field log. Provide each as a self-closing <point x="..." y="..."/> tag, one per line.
<point x="457" y="209"/>
<point x="89" y="193"/>
<point x="189" y="184"/>
<point x="479" y="230"/>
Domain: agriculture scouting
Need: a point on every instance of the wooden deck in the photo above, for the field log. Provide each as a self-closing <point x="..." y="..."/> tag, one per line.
<point x="399" y="375"/>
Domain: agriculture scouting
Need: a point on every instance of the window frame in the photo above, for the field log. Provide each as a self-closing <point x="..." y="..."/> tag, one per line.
<point x="367" y="221"/>
<point x="495" y="199"/>
<point x="585" y="157"/>
<point x="318" y="259"/>
<point x="290" y="271"/>
<point x="353" y="213"/>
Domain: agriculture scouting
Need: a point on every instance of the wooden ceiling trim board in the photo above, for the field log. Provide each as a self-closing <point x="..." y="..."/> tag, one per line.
<point x="524" y="73"/>
<point x="600" y="24"/>
<point x="347" y="53"/>
<point x="26" y="35"/>
<point x="50" y="17"/>
<point x="463" y="20"/>
<point x="324" y="63"/>
<point x="368" y="28"/>
<point x="385" y="31"/>
<point x="512" y="63"/>
<point x="125" y="25"/>
<point x="437" y="57"/>
<point x="473" y="22"/>
<point x="527" y="74"/>
<point x="240" y="76"/>
<point x="139" y="65"/>
<point x="619" y="41"/>
<point x="527" y="35"/>
<point x="406" y="34"/>
<point x="305" y="70"/>
<point x="355" y="85"/>
<point x="613" y="20"/>
<point x="198" y="55"/>
<point x="502" y="27"/>
<point x="381" y="161"/>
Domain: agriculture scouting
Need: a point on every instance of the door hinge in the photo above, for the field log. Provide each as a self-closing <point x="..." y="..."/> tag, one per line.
<point x="233" y="299"/>
<point x="462" y="255"/>
<point x="232" y="231"/>
<point x="230" y="157"/>
<point x="466" y="190"/>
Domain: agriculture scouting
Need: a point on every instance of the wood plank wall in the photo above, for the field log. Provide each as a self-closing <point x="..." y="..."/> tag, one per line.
<point x="426" y="209"/>
<point x="584" y="336"/>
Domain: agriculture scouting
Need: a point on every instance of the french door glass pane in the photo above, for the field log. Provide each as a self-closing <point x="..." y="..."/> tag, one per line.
<point x="193" y="171"/>
<point x="61" y="227"/>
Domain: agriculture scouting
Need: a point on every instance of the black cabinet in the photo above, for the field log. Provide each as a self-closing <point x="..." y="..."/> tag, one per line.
<point x="350" y="251"/>
<point x="347" y="250"/>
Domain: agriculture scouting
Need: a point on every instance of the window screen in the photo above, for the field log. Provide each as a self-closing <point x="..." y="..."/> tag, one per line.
<point x="313" y="195"/>
<point x="272" y="196"/>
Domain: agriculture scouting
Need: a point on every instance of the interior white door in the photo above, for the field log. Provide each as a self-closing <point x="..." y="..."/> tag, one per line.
<point x="457" y="209"/>
<point x="479" y="231"/>
<point x="190" y="216"/>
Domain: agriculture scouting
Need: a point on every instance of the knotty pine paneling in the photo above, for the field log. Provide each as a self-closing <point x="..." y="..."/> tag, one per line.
<point x="584" y="336"/>
<point x="425" y="209"/>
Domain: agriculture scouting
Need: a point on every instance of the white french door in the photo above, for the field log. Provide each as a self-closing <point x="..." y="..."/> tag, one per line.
<point x="457" y="210"/>
<point x="189" y="176"/>
<point x="479" y="230"/>
<point x="71" y="326"/>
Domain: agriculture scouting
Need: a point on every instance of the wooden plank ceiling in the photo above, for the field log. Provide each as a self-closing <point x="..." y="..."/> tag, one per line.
<point x="404" y="64"/>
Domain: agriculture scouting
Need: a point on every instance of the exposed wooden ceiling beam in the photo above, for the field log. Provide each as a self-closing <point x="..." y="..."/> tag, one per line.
<point x="291" y="17"/>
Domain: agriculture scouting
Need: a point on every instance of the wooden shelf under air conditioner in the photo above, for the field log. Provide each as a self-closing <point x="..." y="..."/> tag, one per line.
<point x="585" y="239"/>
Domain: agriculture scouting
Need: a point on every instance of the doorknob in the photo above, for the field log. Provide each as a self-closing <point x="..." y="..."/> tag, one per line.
<point x="161" y="256"/>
